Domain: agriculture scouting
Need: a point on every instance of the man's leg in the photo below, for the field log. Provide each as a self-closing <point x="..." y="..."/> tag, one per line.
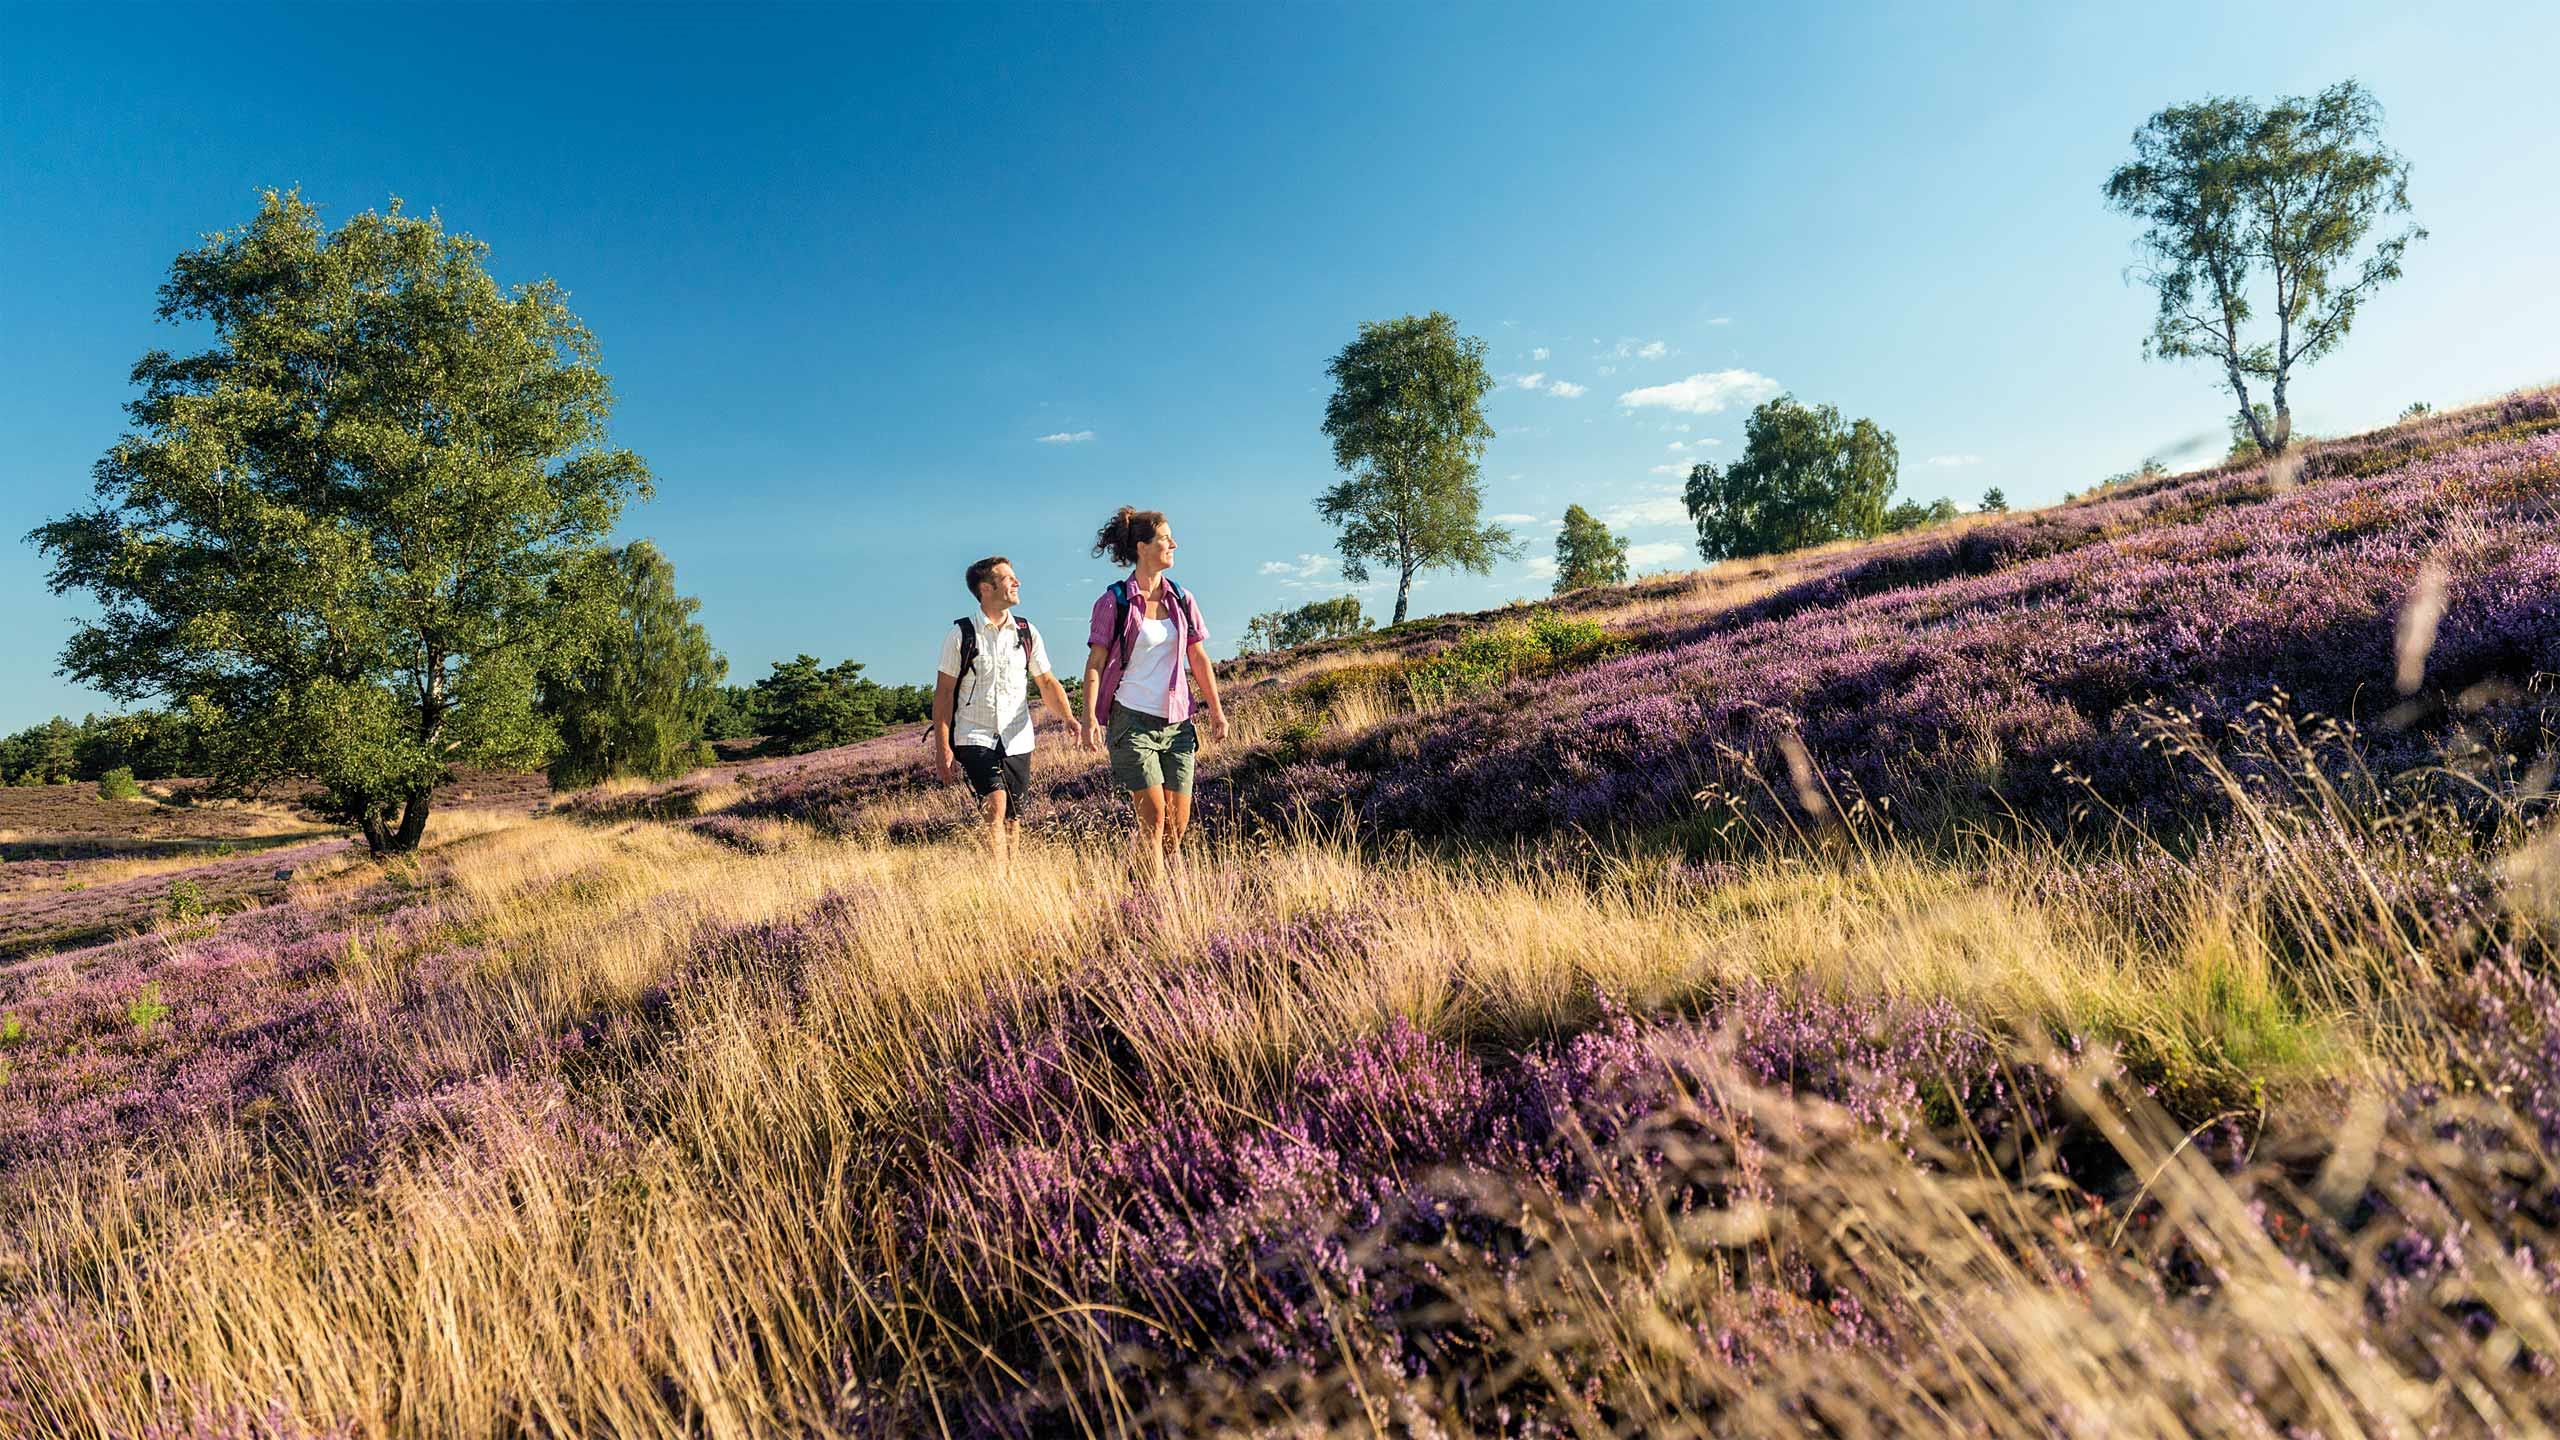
<point x="993" y="807"/>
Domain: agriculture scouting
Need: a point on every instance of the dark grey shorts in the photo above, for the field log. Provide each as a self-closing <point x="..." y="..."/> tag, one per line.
<point x="987" y="767"/>
<point x="1147" y="753"/>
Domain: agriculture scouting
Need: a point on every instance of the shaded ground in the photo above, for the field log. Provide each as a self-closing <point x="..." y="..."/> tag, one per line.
<point x="76" y="869"/>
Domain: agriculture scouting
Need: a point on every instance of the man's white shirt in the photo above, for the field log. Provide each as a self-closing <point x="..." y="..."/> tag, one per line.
<point x="994" y="698"/>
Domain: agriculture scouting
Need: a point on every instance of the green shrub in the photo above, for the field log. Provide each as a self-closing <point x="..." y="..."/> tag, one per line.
<point x="1571" y="642"/>
<point x="1293" y="737"/>
<point x="1488" y="658"/>
<point x="117" y="784"/>
<point x="1504" y="653"/>
<point x="12" y="1030"/>
<point x="186" y="901"/>
<point x="145" y="1010"/>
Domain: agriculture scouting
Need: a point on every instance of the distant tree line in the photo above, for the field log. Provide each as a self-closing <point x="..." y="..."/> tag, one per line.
<point x="806" y="704"/>
<point x="1316" y="620"/>
<point x="150" y="744"/>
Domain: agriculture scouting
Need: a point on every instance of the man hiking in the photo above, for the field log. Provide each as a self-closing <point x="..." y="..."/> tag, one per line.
<point x="982" y="700"/>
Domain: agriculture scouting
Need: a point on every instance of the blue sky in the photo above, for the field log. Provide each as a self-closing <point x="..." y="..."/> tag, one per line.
<point x="886" y="289"/>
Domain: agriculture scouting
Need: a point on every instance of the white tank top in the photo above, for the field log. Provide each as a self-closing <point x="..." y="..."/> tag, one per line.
<point x="1147" y="680"/>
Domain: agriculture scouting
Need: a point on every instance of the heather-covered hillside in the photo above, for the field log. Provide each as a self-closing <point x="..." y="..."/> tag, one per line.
<point x="2012" y="666"/>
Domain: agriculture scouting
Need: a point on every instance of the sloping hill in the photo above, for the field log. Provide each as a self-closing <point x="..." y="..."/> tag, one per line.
<point x="2002" y="666"/>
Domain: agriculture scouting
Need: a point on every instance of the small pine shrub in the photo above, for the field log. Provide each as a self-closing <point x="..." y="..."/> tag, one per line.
<point x="12" y="1030"/>
<point x="117" y="784"/>
<point x="146" y="1010"/>
<point x="185" y="902"/>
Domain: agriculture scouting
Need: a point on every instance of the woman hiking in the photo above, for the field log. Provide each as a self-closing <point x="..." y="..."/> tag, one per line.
<point x="1146" y="660"/>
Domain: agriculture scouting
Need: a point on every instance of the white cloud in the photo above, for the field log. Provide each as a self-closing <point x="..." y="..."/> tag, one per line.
<point x="1608" y="369"/>
<point x="1670" y="469"/>
<point x="1658" y="554"/>
<point x="1654" y="512"/>
<point x="1677" y="445"/>
<point x="1566" y="389"/>
<point x="1538" y="354"/>
<point x="1652" y="350"/>
<point x="1721" y="320"/>
<point x="1705" y="393"/>
<point x="1515" y="519"/>
<point x="1314" y="572"/>
<point x="1542" y="567"/>
<point x="1950" y="462"/>
<point x="1066" y="437"/>
<point x="1530" y="381"/>
<point x="1682" y="427"/>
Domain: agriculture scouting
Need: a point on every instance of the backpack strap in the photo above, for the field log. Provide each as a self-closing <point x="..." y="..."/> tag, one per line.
<point x="1022" y="632"/>
<point x="1180" y="609"/>
<point x="1119" y="621"/>
<point x="968" y="657"/>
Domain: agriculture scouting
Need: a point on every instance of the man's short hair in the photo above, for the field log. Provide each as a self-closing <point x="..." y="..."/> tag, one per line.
<point x="982" y="572"/>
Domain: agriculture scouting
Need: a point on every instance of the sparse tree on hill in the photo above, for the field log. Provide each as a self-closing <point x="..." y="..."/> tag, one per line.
<point x="2244" y="204"/>
<point x="1805" y="478"/>
<point x="1912" y="515"/>
<point x="2418" y="410"/>
<point x="333" y="535"/>
<point x="1587" y="554"/>
<point x="1407" y="421"/>
<point x="1994" y="502"/>
<point x="1313" y="621"/>
<point x="637" y="704"/>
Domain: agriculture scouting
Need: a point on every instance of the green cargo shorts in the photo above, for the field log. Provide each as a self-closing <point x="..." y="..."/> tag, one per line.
<point x="1147" y="753"/>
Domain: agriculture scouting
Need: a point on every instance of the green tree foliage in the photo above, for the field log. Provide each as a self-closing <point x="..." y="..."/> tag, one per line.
<point x="1994" y="501"/>
<point x="2418" y="410"/>
<point x="637" y="704"/>
<point x="153" y="744"/>
<point x="1805" y="477"/>
<point x="906" y="704"/>
<point x="118" y="784"/>
<point x="46" y="754"/>
<point x="1407" y="421"/>
<point x="731" y="714"/>
<point x="1313" y="621"/>
<point x="333" y="535"/>
<point x="1587" y="554"/>
<point x="2243" y="205"/>
<point x="1912" y="515"/>
<point x="804" y="705"/>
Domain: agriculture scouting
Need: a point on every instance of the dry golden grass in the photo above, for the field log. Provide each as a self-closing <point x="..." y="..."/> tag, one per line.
<point x="496" y="1287"/>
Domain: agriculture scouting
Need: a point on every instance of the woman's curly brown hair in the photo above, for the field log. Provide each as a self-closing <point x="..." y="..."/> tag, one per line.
<point x="1124" y="532"/>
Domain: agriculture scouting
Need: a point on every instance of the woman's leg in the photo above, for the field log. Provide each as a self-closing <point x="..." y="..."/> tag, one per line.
<point x="1151" y="807"/>
<point x="1177" y="818"/>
